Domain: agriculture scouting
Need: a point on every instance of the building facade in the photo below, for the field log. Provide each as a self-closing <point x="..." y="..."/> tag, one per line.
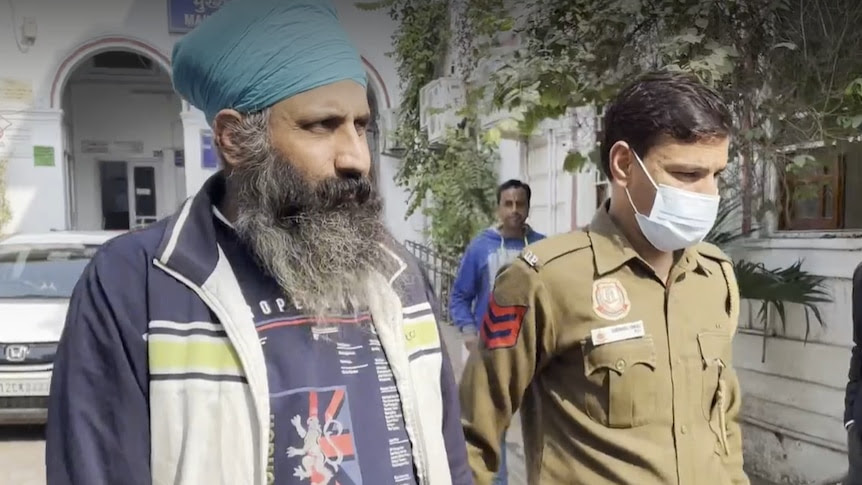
<point x="93" y="135"/>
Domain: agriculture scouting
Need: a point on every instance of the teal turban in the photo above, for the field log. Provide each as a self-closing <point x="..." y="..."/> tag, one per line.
<point x="251" y="54"/>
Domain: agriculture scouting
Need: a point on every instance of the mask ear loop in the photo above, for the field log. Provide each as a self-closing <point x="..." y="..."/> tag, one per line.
<point x="632" y="203"/>
<point x="643" y="167"/>
<point x="649" y="177"/>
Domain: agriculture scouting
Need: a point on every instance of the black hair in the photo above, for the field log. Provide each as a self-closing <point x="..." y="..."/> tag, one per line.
<point x="514" y="184"/>
<point x="660" y="104"/>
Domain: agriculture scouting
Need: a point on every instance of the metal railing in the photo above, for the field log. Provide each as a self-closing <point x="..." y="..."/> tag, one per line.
<point x="441" y="271"/>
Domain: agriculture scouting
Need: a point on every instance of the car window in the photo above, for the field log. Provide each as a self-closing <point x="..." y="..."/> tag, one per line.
<point x="42" y="270"/>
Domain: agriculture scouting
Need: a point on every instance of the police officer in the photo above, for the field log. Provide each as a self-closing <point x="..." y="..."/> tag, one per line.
<point x="615" y="341"/>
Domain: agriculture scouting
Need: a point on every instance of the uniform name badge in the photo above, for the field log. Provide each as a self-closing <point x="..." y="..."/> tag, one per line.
<point x="616" y="333"/>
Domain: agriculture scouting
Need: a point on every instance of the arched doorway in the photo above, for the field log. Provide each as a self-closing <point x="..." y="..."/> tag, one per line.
<point x="123" y="140"/>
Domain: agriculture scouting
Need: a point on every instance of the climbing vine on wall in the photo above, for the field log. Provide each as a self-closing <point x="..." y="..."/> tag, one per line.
<point x="452" y="183"/>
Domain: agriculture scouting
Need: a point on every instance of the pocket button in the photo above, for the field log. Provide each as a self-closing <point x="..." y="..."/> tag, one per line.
<point x="621" y="364"/>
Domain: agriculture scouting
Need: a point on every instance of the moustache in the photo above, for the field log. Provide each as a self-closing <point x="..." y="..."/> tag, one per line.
<point x="329" y="195"/>
<point x="334" y="193"/>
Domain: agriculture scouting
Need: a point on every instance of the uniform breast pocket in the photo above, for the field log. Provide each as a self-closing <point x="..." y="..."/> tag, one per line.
<point x="621" y="382"/>
<point x="714" y="352"/>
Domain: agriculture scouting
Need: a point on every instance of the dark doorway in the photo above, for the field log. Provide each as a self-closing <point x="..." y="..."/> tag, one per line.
<point x="114" y="181"/>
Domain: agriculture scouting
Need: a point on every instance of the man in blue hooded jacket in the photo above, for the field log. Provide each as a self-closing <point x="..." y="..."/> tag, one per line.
<point x="487" y="254"/>
<point x="270" y="331"/>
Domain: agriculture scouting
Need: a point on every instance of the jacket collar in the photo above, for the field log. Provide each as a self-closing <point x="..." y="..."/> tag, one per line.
<point x="189" y="244"/>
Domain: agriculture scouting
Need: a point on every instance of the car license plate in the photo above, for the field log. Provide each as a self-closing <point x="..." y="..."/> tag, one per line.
<point x="25" y="388"/>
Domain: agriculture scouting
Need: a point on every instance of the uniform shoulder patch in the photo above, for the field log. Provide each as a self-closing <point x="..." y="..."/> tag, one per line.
<point x="530" y="258"/>
<point x="711" y="251"/>
<point x="501" y="325"/>
<point x="543" y="252"/>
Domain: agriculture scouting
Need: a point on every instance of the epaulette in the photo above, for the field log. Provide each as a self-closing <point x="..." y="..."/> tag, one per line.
<point x="542" y="252"/>
<point x="712" y="251"/>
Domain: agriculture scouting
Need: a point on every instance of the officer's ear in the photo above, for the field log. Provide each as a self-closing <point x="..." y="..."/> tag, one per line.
<point x="621" y="163"/>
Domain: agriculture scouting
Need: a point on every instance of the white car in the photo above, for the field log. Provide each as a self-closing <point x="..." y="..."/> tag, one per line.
<point x="37" y="275"/>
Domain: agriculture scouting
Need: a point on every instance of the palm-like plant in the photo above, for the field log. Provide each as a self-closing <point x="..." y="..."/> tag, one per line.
<point x="772" y="288"/>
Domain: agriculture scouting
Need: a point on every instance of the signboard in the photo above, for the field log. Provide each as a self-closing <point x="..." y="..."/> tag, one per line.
<point x="179" y="158"/>
<point x="209" y="156"/>
<point x="43" y="156"/>
<point x="185" y="15"/>
<point x="136" y="147"/>
<point x="104" y="147"/>
<point x="95" y="146"/>
<point x="14" y="91"/>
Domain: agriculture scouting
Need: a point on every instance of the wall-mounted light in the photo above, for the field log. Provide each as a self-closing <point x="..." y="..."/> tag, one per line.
<point x="29" y="30"/>
<point x="24" y="31"/>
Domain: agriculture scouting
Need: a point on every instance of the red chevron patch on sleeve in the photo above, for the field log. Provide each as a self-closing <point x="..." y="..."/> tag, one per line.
<point x="501" y="325"/>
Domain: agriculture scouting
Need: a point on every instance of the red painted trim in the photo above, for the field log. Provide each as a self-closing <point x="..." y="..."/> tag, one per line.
<point x="379" y="80"/>
<point x="77" y="55"/>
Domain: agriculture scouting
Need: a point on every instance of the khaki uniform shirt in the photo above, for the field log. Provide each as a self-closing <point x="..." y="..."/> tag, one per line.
<point x="656" y="409"/>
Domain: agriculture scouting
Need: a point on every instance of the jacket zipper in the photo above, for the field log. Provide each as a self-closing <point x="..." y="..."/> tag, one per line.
<point x="407" y="406"/>
<point x="223" y="318"/>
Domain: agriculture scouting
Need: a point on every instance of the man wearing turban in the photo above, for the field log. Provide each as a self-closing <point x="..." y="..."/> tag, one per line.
<point x="271" y="331"/>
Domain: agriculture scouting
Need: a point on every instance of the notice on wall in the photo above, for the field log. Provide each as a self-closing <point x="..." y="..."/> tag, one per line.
<point x="43" y="156"/>
<point x="95" y="146"/>
<point x="15" y="91"/>
<point x="209" y="156"/>
<point x="16" y="140"/>
<point x="132" y="146"/>
<point x="119" y="147"/>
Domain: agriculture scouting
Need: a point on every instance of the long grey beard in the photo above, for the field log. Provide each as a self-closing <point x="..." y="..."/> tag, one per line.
<point x="320" y="243"/>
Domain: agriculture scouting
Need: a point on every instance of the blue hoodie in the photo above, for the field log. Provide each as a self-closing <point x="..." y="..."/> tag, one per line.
<point x="485" y="256"/>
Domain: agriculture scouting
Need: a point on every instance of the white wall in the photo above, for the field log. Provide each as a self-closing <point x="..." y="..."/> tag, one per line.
<point x="542" y="168"/>
<point x="35" y="194"/>
<point x="511" y="152"/>
<point x="113" y="113"/>
<point x="793" y="403"/>
<point x="64" y="28"/>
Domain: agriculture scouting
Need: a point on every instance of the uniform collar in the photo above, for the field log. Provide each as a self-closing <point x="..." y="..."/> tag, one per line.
<point x="611" y="249"/>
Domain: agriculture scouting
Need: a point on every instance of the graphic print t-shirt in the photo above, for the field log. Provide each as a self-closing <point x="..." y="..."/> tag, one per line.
<point x="336" y="414"/>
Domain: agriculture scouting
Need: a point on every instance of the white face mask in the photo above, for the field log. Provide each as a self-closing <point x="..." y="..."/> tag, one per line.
<point x="679" y="219"/>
